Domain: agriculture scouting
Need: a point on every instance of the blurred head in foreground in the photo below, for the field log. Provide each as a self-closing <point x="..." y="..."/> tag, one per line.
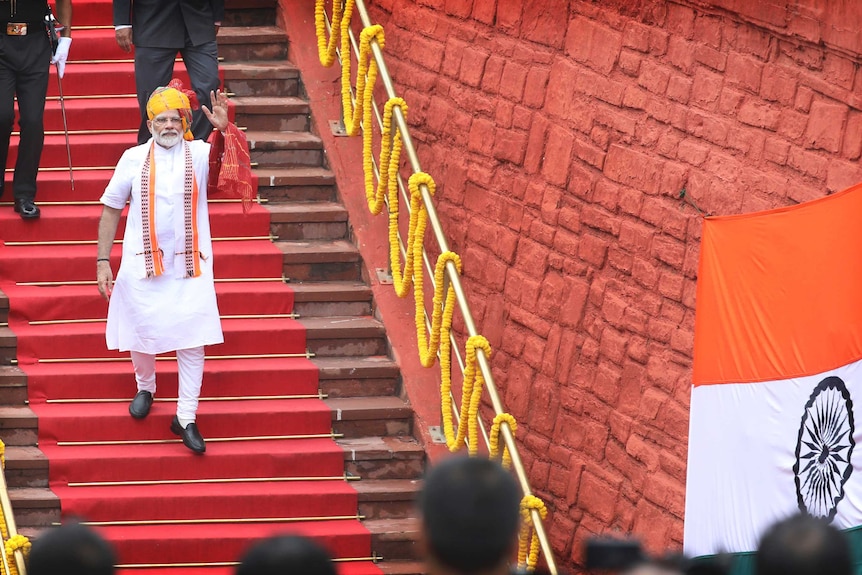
<point x="286" y="555"/>
<point x="71" y="549"/>
<point x="470" y="513"/>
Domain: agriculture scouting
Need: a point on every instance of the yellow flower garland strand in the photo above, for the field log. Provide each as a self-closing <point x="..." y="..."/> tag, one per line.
<point x="412" y="276"/>
<point x="4" y="531"/>
<point x="326" y="48"/>
<point x="441" y="316"/>
<point x="528" y="537"/>
<point x="8" y="566"/>
<point x="13" y="544"/>
<point x="494" y="440"/>
<point x="366" y="77"/>
<point x="390" y="157"/>
<point x="471" y="398"/>
<point x="10" y="545"/>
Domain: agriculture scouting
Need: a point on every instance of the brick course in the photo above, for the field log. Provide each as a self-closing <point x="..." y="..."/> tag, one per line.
<point x="563" y="133"/>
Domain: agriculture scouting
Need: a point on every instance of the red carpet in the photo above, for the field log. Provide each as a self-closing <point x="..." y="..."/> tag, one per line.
<point x="270" y="465"/>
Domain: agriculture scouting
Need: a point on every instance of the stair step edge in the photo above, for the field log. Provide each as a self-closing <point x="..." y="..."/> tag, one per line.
<point x="349" y="368"/>
<point x="34" y="497"/>
<point x="405" y="567"/>
<point x="15" y="412"/>
<point x="331" y="326"/>
<point x="316" y="246"/>
<point x="397" y="528"/>
<point x="305" y="292"/>
<point x="260" y="70"/>
<point x="346" y="409"/>
<point x="24" y="457"/>
<point x="293" y="176"/>
<point x="398" y="447"/>
<point x="233" y="35"/>
<point x="254" y="101"/>
<point x="282" y="141"/>
<point x="387" y="489"/>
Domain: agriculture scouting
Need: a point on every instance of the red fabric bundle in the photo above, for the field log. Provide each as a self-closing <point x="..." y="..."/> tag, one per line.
<point x="230" y="167"/>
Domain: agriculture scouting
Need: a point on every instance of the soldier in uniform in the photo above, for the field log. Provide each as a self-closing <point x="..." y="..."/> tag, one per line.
<point x="26" y="54"/>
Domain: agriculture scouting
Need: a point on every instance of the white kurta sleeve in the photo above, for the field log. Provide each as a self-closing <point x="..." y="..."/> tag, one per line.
<point x="120" y="187"/>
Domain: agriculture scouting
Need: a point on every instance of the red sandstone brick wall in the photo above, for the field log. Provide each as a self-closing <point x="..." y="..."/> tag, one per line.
<point x="561" y="133"/>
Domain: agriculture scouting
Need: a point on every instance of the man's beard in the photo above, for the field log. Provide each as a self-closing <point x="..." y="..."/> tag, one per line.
<point x="167" y="139"/>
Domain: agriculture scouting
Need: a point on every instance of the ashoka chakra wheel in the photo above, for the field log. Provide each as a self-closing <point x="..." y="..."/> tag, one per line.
<point x="824" y="449"/>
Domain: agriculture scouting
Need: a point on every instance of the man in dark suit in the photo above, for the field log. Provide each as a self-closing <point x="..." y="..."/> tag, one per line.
<point x="159" y="29"/>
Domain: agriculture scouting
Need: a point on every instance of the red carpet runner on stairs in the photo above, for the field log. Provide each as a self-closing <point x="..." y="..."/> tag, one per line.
<point x="165" y="509"/>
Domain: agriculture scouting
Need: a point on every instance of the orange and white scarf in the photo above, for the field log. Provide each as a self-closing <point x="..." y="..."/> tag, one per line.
<point x="153" y="255"/>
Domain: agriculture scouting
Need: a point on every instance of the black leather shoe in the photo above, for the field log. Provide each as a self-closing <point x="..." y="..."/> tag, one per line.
<point x="191" y="436"/>
<point x="140" y="406"/>
<point x="27" y="209"/>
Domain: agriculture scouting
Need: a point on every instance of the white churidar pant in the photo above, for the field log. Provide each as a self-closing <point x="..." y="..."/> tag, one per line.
<point x="190" y="367"/>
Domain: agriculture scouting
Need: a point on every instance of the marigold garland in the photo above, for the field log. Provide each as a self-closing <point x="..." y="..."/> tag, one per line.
<point x="471" y="398"/>
<point x="528" y="538"/>
<point x="326" y="48"/>
<point x="4" y="533"/>
<point x="366" y="77"/>
<point x="390" y="157"/>
<point x="13" y="544"/>
<point x="412" y="276"/>
<point x="441" y="316"/>
<point x="366" y="74"/>
<point x="494" y="439"/>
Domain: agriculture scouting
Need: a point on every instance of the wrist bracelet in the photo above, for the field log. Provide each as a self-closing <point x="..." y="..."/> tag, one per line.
<point x="102" y="260"/>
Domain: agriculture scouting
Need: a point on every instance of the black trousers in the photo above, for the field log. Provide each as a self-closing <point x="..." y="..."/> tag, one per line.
<point x="24" y="65"/>
<point x="154" y="67"/>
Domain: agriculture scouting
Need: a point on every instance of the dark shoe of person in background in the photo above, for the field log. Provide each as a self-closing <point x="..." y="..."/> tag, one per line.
<point x="191" y="436"/>
<point x="27" y="209"/>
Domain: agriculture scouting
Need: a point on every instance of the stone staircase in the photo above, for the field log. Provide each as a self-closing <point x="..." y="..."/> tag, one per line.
<point x="332" y="297"/>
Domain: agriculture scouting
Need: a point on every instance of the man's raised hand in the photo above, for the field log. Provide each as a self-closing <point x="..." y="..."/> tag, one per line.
<point x="218" y="116"/>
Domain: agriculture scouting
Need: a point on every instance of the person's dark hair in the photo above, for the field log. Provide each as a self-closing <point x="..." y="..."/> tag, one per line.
<point x="71" y="549"/>
<point x="668" y="564"/>
<point x="803" y="545"/>
<point x="470" y="510"/>
<point x="286" y="555"/>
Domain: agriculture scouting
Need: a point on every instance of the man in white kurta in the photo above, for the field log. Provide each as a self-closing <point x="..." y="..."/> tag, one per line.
<point x="164" y="297"/>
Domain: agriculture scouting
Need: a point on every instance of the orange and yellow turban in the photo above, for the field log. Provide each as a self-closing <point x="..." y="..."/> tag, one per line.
<point x="173" y="97"/>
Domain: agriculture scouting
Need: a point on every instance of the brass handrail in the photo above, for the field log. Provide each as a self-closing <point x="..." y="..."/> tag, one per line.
<point x="374" y="558"/>
<point x="222" y="520"/>
<point x="214" y="398"/>
<point x="212" y="480"/>
<point x="104" y="319"/>
<point x="257" y="200"/>
<point x="452" y="277"/>
<point x="232" y="439"/>
<point x="28" y="243"/>
<point x="11" y="529"/>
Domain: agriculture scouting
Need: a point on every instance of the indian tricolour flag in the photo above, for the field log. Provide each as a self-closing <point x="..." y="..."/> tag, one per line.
<point x="775" y="420"/>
